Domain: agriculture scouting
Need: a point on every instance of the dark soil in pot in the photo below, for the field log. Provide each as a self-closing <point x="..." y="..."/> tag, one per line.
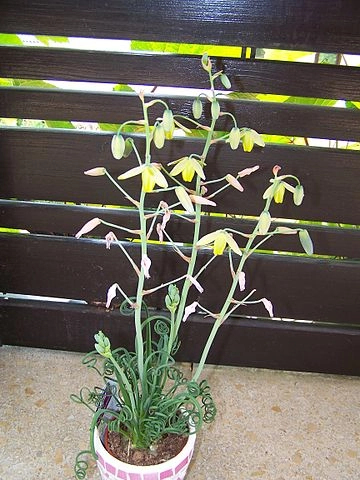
<point x="165" y="449"/>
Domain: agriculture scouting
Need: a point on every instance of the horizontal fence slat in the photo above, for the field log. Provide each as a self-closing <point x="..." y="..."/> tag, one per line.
<point x="270" y="23"/>
<point x="300" y="288"/>
<point x="240" y="342"/>
<point x="49" y="164"/>
<point x="45" y="218"/>
<point x="265" y="117"/>
<point x="262" y="76"/>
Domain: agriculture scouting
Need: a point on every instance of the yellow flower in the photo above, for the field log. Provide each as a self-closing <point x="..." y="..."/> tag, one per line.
<point x="220" y="239"/>
<point x="249" y="138"/>
<point x="187" y="166"/>
<point x="279" y="193"/>
<point x="150" y="176"/>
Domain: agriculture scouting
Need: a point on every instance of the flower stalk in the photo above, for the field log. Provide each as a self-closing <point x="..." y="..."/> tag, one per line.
<point x="152" y="396"/>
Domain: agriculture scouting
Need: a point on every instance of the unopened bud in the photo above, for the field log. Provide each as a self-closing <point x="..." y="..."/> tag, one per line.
<point x="96" y="172"/>
<point x="306" y="242"/>
<point x="234" y="138"/>
<point x="264" y="222"/>
<point x="225" y="81"/>
<point x="168" y="120"/>
<point x="215" y="109"/>
<point x="117" y="146"/>
<point x="197" y="108"/>
<point x="298" y="195"/>
<point x="159" y="136"/>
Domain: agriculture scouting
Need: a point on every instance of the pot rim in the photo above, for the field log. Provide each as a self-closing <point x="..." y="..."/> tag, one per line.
<point x="101" y="450"/>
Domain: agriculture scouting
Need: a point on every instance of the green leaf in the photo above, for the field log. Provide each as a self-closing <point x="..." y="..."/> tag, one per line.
<point x="33" y="84"/>
<point x="284" y="55"/>
<point x="45" y="39"/>
<point x="187" y="48"/>
<point x="270" y="97"/>
<point x="10" y="39"/>
<point x="351" y="104"/>
<point x="242" y="96"/>
<point x="109" y="127"/>
<point x="6" y="82"/>
<point x="59" y="124"/>
<point x="328" y="58"/>
<point x="320" y="102"/>
<point x="122" y="88"/>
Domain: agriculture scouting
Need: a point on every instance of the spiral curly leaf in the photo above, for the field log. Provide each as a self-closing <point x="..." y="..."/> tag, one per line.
<point x="87" y="397"/>
<point x="90" y="360"/>
<point x="81" y="465"/>
<point x="194" y="389"/>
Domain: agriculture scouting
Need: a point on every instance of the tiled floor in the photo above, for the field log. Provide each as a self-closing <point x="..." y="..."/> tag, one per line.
<point x="271" y="425"/>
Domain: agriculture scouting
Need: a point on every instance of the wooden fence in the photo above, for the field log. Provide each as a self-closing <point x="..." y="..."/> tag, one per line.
<point x="43" y="189"/>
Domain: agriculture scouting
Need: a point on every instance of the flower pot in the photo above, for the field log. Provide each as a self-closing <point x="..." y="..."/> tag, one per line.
<point x="111" y="468"/>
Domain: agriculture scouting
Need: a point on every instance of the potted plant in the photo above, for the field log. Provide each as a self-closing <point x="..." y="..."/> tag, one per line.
<point x="147" y="413"/>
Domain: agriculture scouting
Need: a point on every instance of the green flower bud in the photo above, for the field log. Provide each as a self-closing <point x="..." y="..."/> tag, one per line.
<point x="234" y="138"/>
<point x="264" y="222"/>
<point x="215" y="109"/>
<point x="172" y="299"/>
<point x="102" y="346"/>
<point x="168" y="120"/>
<point x="206" y="63"/>
<point x="298" y="195"/>
<point x="197" y="108"/>
<point x="118" y="146"/>
<point x="225" y="80"/>
<point x="306" y="242"/>
<point x="128" y="147"/>
<point x="159" y="136"/>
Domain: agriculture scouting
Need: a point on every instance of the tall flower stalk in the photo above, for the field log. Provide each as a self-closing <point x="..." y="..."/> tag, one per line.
<point x="150" y="395"/>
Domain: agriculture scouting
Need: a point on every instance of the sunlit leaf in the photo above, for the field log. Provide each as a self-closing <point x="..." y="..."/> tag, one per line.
<point x="122" y="88"/>
<point x="284" y="55"/>
<point x="46" y="40"/>
<point x="58" y="124"/>
<point x="187" y="48"/>
<point x="319" y="102"/>
<point x="10" y="39"/>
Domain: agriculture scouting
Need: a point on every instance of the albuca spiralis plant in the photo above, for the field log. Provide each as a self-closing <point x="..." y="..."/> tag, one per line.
<point x="151" y="394"/>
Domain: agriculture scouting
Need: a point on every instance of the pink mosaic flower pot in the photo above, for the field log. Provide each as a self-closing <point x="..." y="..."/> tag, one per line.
<point x="111" y="468"/>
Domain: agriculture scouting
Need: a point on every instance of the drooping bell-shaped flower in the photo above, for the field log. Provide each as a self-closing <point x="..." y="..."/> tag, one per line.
<point x="150" y="176"/>
<point x="187" y="166"/>
<point x="279" y="193"/>
<point x="219" y="240"/>
<point x="250" y="137"/>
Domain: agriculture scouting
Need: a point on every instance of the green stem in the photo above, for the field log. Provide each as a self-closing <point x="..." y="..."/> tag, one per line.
<point x="224" y="311"/>
<point x="139" y="340"/>
<point x="196" y="235"/>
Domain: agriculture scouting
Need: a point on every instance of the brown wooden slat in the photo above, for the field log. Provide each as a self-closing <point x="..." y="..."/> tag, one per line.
<point x="45" y="164"/>
<point x="301" y="288"/>
<point x="269" y="23"/>
<point x="266" y="117"/>
<point x="240" y="342"/>
<point x="45" y="218"/>
<point x="298" y="79"/>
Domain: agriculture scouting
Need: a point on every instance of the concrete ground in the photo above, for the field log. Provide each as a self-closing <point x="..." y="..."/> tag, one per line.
<point x="271" y="425"/>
